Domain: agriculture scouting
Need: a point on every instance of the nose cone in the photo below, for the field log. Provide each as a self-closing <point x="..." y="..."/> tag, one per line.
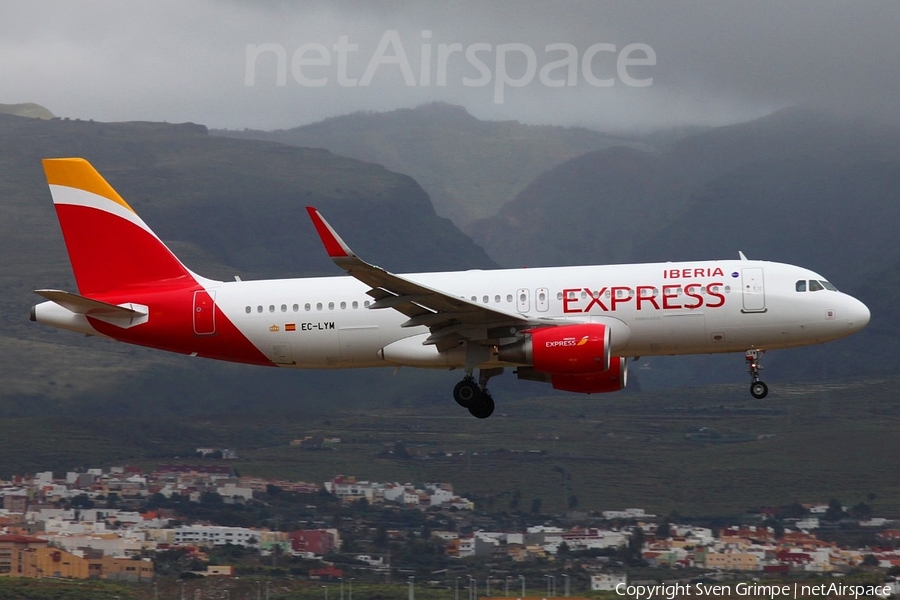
<point x="857" y="314"/>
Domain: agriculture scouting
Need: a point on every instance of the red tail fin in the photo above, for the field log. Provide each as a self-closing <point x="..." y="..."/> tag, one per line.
<point x="110" y="247"/>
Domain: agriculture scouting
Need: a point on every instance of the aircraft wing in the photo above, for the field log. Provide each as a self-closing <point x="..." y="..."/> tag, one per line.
<point x="449" y="318"/>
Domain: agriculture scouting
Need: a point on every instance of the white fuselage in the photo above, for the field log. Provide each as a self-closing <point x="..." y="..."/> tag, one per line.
<point x="651" y="309"/>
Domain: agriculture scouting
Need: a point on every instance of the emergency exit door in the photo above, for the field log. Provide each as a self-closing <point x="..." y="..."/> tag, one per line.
<point x="204" y="313"/>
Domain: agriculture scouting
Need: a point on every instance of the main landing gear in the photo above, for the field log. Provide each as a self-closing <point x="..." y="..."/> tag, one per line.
<point x="475" y="396"/>
<point x="758" y="389"/>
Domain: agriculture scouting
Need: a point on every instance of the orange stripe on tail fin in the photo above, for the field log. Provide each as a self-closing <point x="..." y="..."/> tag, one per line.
<point x="111" y="249"/>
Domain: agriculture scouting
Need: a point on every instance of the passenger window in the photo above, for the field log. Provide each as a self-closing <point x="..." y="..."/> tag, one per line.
<point x="271" y="308"/>
<point x="801" y="285"/>
<point x="296" y="307"/>
<point x="355" y="304"/>
<point x="366" y="304"/>
<point x="331" y="306"/>
<point x="247" y="310"/>
<point x="509" y="297"/>
<point x="307" y="306"/>
<point x="343" y="306"/>
<point x="497" y="298"/>
<point x="284" y="308"/>
<point x="259" y="308"/>
<point x="318" y="306"/>
<point x="485" y="299"/>
<point x="815" y="286"/>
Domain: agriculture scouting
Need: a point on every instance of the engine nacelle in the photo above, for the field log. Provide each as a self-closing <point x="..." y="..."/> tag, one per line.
<point x="611" y="380"/>
<point x="565" y="350"/>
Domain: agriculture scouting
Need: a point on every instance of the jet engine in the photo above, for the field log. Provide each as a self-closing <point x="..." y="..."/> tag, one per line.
<point x="574" y="358"/>
<point x="611" y="380"/>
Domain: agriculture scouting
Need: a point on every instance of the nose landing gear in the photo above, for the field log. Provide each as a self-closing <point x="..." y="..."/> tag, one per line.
<point x="758" y="389"/>
<point x="475" y="396"/>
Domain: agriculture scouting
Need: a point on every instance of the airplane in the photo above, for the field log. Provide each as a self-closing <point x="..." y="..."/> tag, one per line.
<point x="575" y="328"/>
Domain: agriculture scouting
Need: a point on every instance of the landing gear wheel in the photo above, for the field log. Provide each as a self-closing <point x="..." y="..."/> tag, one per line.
<point x="759" y="390"/>
<point x="483" y="407"/>
<point x="466" y="393"/>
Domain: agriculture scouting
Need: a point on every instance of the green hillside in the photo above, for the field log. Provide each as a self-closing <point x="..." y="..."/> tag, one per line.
<point x="470" y="168"/>
<point x="227" y="207"/>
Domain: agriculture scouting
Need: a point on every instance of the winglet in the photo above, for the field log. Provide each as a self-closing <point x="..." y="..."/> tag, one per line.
<point x="334" y="245"/>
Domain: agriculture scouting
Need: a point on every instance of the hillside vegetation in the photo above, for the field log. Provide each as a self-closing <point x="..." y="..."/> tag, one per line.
<point x="469" y="167"/>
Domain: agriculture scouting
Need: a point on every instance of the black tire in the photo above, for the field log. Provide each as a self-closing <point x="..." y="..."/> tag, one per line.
<point x="759" y="390"/>
<point x="483" y="407"/>
<point x="466" y="393"/>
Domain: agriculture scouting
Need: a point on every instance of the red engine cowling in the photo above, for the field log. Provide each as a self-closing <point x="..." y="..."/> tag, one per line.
<point x="611" y="380"/>
<point x="565" y="350"/>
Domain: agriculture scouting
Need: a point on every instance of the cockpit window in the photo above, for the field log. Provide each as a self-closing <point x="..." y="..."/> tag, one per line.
<point x="814" y="285"/>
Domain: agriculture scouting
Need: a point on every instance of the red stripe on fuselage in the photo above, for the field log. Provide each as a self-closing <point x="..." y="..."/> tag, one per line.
<point x="171" y="327"/>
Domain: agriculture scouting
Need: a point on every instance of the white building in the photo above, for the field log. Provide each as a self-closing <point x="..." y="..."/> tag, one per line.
<point x="628" y="513"/>
<point x="212" y="535"/>
<point x="439" y="497"/>
<point x="230" y="491"/>
<point x="607" y="582"/>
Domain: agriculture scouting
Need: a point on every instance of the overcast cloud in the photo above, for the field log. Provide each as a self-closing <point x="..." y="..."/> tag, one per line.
<point x="710" y="62"/>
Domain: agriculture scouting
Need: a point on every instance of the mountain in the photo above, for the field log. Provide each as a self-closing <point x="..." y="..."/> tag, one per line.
<point x="28" y="109"/>
<point x="785" y="187"/>
<point x="227" y="207"/>
<point x="469" y="167"/>
<point x="797" y="186"/>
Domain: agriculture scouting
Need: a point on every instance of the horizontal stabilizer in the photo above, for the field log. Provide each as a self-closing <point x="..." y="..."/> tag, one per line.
<point x="121" y="315"/>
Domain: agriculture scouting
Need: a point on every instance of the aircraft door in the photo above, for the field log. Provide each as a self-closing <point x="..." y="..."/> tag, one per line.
<point x="542" y="299"/>
<point x="204" y="313"/>
<point x="753" y="289"/>
<point x="523" y="300"/>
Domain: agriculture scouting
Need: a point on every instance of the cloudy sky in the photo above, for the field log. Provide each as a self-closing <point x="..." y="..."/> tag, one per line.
<point x="610" y="65"/>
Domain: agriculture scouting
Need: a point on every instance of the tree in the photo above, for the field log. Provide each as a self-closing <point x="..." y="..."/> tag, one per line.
<point x="835" y="511"/>
<point x="516" y="501"/>
<point x="861" y="511"/>
<point x="777" y="527"/>
<point x="663" y="529"/>
<point x="634" y="550"/>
